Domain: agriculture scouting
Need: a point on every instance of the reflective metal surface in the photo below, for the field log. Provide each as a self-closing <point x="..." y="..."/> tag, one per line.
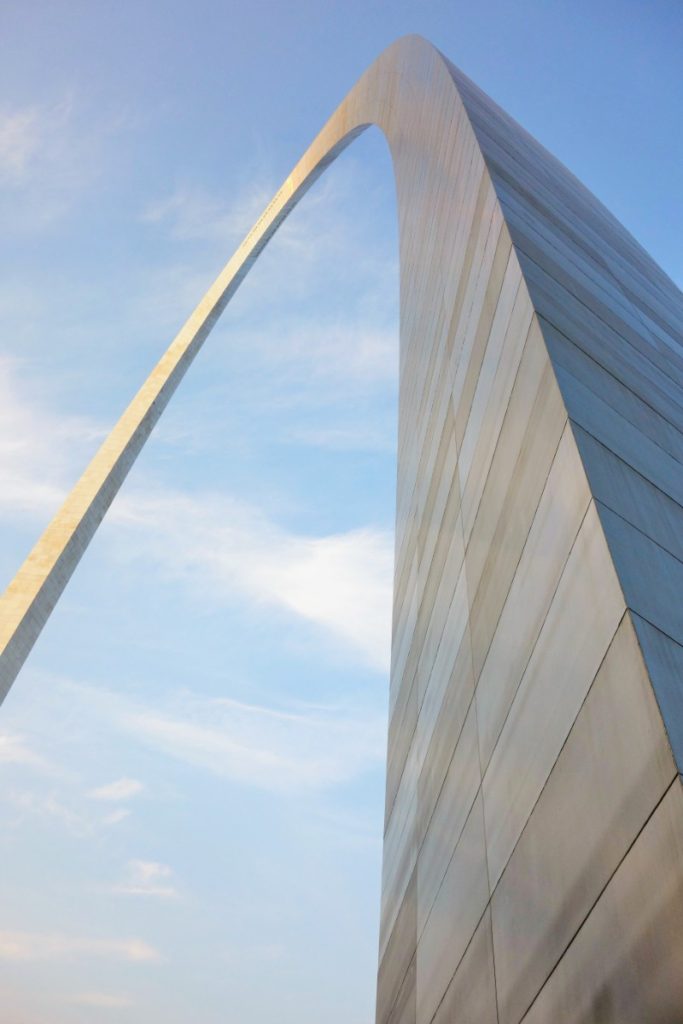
<point x="614" y="767"/>
<point x="533" y="853"/>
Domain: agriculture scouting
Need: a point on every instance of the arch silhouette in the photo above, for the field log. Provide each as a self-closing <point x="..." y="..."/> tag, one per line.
<point x="534" y="813"/>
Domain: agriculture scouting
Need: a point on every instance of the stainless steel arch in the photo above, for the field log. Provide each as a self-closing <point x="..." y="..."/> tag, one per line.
<point x="533" y="852"/>
<point x="386" y="95"/>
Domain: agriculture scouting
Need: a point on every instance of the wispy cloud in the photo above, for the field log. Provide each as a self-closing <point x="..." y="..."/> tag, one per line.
<point x="341" y="582"/>
<point x="225" y="547"/>
<point x="286" y="750"/>
<point x="49" y="153"/>
<point x="120" y="789"/>
<point x="15" y="750"/>
<point x="37" y="447"/>
<point x="102" y="1000"/>
<point x="21" y="139"/>
<point x="116" y="817"/>
<point x="30" y="946"/>
<point x="147" y="878"/>
<point x="50" y="806"/>
<point x="318" y="235"/>
<point x="193" y="214"/>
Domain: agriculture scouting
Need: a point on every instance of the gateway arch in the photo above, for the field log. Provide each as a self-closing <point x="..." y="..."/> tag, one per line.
<point x="533" y="844"/>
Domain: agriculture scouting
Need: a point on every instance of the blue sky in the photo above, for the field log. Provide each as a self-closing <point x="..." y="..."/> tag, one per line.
<point x="192" y="758"/>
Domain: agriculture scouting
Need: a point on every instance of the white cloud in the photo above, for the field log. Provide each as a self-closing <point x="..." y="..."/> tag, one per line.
<point x="31" y="946"/>
<point x="286" y="750"/>
<point x="341" y="582"/>
<point x="49" y="154"/>
<point x="147" y="878"/>
<point x="318" y="235"/>
<point x="221" y="546"/>
<point x="15" y="750"/>
<point x="21" y="139"/>
<point x="121" y="789"/>
<point x="49" y="806"/>
<point x="116" y="816"/>
<point x="193" y="214"/>
<point x="102" y="1000"/>
<point x="37" y="447"/>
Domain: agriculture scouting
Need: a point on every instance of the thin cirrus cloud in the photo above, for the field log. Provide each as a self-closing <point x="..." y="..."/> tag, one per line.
<point x="340" y="582"/>
<point x="34" y="442"/>
<point x="194" y="214"/>
<point x="222" y="546"/>
<point x="120" y="789"/>
<point x="116" y="817"/>
<point x="49" y="154"/>
<point x="14" y="749"/>
<point x="147" y="878"/>
<point x="49" y="806"/>
<point x="283" y="750"/>
<point x="102" y="1000"/>
<point x="321" y="234"/>
<point x="19" y="946"/>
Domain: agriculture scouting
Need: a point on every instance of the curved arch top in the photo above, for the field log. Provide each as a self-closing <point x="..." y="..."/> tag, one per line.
<point x="533" y="845"/>
<point x="407" y="89"/>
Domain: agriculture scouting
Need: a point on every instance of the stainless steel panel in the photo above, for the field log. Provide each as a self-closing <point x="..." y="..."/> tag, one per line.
<point x="441" y="667"/>
<point x="619" y="434"/>
<point x="552" y="534"/>
<point x="664" y="659"/>
<point x="437" y="476"/>
<point x="448" y="720"/>
<point x="494" y="397"/>
<point x="404" y="1010"/>
<point x="401" y="732"/>
<point x="578" y="629"/>
<point x="471" y="996"/>
<point x="459" y="905"/>
<point x="651" y="577"/>
<point x="626" y="964"/>
<point x="522" y="418"/>
<point x="398" y="861"/>
<point x="399" y="953"/>
<point x="459" y="787"/>
<point x="491" y="569"/>
<point x="494" y="339"/>
<point x="477" y="318"/>
<point x="618" y="486"/>
<point x="565" y="329"/>
<point x="632" y="388"/>
<point x="450" y="599"/>
<point x="561" y="308"/>
<point x="611" y="773"/>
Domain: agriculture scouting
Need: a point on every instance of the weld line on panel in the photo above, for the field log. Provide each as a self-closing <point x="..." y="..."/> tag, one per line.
<point x="634" y="469"/>
<point x="605" y="369"/>
<point x="599" y="896"/>
<point x="550" y="602"/>
<point x="559" y="753"/>
<point x="597" y="316"/>
<point x="526" y="538"/>
<point x="599" y="501"/>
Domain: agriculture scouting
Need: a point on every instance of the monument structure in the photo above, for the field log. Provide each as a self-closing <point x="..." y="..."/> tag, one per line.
<point x="533" y="849"/>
